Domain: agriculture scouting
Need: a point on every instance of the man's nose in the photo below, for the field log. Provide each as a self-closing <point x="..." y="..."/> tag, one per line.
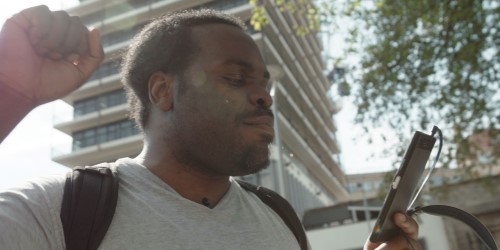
<point x="260" y="97"/>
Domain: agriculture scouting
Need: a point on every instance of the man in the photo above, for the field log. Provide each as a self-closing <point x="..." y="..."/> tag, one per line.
<point x="197" y="88"/>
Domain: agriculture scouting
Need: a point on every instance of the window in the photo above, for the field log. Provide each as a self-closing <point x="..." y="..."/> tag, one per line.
<point x="107" y="69"/>
<point x="95" y="103"/>
<point x="105" y="133"/>
<point x="121" y="35"/>
<point x="367" y="186"/>
<point x="352" y="187"/>
<point x="101" y="135"/>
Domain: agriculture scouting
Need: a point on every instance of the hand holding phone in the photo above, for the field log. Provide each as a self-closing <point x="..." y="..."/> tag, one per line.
<point x="403" y="187"/>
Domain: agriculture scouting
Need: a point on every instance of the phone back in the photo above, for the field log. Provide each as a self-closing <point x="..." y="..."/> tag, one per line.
<point x="404" y="186"/>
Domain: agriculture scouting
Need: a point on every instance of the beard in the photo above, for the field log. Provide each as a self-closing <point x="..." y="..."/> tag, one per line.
<point x="220" y="152"/>
<point x="255" y="158"/>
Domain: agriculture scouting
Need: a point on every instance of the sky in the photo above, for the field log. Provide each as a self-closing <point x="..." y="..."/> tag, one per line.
<point x="26" y="153"/>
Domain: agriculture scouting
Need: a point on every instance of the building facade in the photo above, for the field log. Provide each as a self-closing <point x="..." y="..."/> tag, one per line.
<point x="476" y="194"/>
<point x="303" y="165"/>
<point x="478" y="197"/>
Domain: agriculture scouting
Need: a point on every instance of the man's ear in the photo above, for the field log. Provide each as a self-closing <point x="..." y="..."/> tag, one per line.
<point x="161" y="90"/>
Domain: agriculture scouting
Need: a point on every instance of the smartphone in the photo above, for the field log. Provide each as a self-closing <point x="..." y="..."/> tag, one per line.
<point x="403" y="187"/>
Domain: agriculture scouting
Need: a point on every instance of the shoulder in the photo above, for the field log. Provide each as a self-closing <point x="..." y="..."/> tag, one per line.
<point x="36" y="190"/>
<point x="263" y="193"/>
<point x="29" y="214"/>
<point x="281" y="207"/>
<point x="269" y="199"/>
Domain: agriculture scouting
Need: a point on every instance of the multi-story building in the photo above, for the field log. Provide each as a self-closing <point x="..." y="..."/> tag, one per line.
<point x="303" y="168"/>
<point x="373" y="185"/>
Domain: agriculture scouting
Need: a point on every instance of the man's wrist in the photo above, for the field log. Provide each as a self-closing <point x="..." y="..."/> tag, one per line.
<point x="13" y="107"/>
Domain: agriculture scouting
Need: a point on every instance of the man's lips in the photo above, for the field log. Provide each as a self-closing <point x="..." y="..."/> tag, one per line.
<point x="264" y="122"/>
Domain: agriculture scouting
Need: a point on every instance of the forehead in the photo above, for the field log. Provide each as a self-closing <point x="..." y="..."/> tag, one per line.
<point x="222" y="42"/>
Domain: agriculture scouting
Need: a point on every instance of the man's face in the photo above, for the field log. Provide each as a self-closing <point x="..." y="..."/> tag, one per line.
<point x="222" y="121"/>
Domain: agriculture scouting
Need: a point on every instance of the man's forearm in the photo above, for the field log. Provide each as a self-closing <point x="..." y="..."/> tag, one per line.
<point x="13" y="108"/>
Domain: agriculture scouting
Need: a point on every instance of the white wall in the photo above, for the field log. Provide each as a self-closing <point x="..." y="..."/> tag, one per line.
<point x="353" y="236"/>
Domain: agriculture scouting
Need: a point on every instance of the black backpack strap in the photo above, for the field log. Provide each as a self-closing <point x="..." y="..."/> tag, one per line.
<point x="282" y="208"/>
<point x="88" y="206"/>
<point x="453" y="212"/>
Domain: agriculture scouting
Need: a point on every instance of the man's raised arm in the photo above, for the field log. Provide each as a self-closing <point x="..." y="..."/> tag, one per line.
<point x="44" y="55"/>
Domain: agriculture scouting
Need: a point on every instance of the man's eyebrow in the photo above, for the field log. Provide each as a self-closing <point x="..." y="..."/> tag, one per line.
<point x="247" y="65"/>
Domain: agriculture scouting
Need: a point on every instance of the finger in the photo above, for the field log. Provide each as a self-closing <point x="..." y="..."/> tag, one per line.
<point x="399" y="243"/>
<point x="59" y="26"/>
<point x="90" y="61"/>
<point x="407" y="224"/>
<point x="413" y="244"/>
<point x="371" y="245"/>
<point x="35" y="20"/>
<point x="83" y="45"/>
<point x="75" y="41"/>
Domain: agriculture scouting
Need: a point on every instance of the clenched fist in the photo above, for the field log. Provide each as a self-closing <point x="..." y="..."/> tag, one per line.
<point x="44" y="55"/>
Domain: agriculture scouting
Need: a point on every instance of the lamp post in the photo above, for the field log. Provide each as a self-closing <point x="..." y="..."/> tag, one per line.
<point x="365" y="206"/>
<point x="276" y="73"/>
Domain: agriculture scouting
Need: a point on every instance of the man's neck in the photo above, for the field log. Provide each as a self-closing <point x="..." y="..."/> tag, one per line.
<point x="190" y="182"/>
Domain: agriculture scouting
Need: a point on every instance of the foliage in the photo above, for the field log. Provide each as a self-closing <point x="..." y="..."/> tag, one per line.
<point x="420" y="63"/>
<point x="313" y="15"/>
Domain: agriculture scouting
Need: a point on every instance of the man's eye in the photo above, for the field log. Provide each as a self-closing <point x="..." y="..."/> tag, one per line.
<point x="235" y="79"/>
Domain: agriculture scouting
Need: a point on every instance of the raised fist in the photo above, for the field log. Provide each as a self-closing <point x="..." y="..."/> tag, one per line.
<point x="44" y="55"/>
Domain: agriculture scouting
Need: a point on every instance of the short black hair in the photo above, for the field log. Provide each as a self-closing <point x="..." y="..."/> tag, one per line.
<point x="166" y="45"/>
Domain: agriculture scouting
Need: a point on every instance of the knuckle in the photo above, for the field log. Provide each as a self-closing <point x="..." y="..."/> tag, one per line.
<point x="61" y="14"/>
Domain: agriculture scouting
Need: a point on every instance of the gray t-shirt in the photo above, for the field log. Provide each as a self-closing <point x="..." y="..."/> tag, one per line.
<point x="149" y="215"/>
